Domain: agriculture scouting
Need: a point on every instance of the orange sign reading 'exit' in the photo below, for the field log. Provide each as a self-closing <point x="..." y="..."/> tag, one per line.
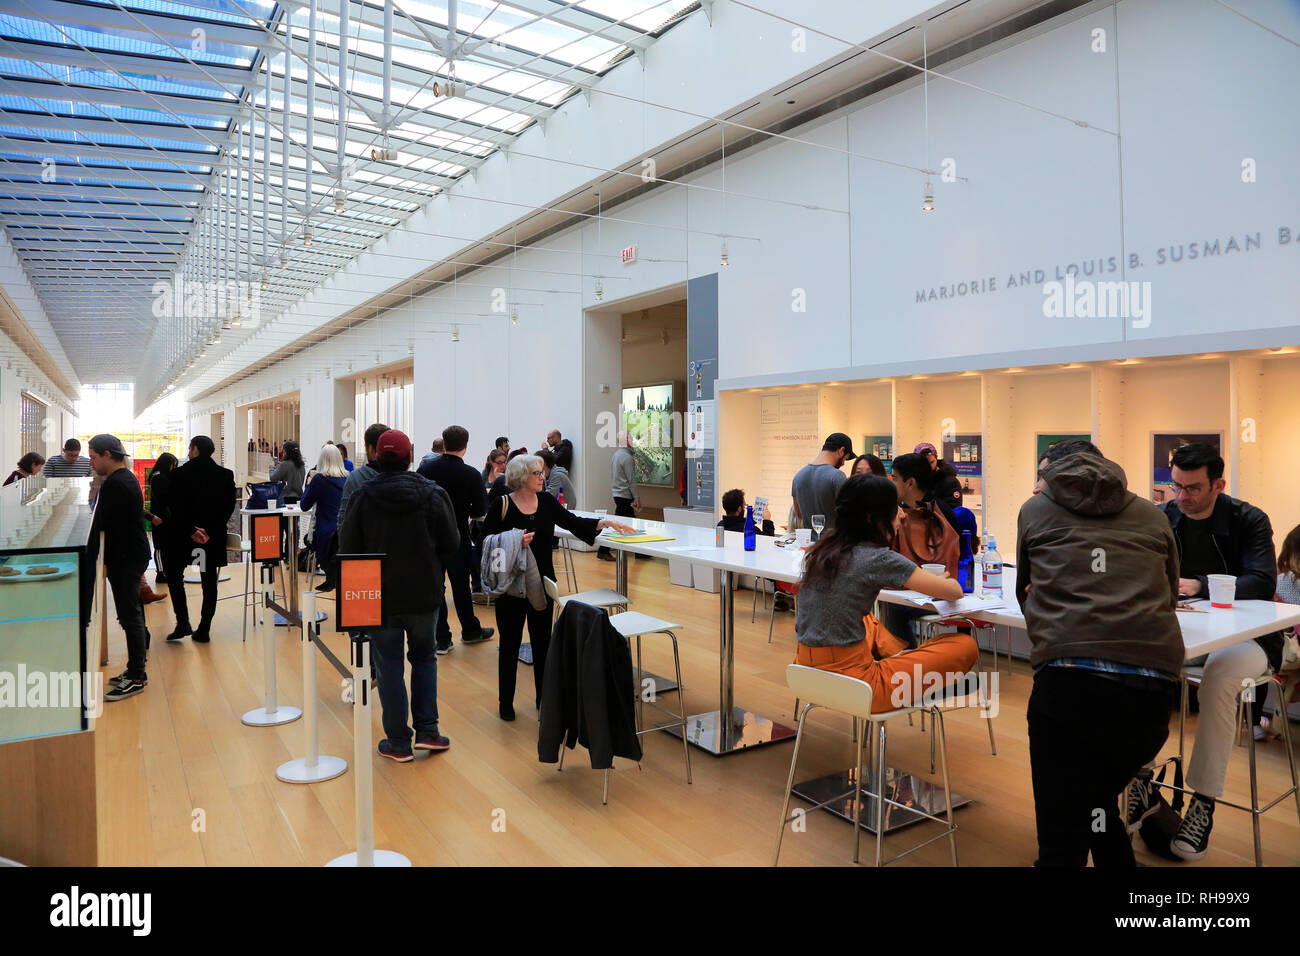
<point x="266" y="537"/>
<point x="360" y="596"/>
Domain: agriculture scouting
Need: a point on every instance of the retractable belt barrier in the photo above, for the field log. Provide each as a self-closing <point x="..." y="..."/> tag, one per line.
<point x="360" y="606"/>
<point x="314" y="767"/>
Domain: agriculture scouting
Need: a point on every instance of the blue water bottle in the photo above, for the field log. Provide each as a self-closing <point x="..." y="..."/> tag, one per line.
<point x="966" y="565"/>
<point x="751" y="541"/>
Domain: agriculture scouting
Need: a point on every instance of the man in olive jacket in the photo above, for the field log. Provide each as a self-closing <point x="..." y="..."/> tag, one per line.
<point x="1097" y="579"/>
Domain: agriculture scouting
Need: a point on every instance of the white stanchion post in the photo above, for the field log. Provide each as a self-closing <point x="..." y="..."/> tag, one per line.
<point x="366" y="854"/>
<point x="271" y="714"/>
<point x="313" y="768"/>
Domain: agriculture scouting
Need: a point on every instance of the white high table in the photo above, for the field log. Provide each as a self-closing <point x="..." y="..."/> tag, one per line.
<point x="730" y="727"/>
<point x="294" y="514"/>
<point x="1204" y="631"/>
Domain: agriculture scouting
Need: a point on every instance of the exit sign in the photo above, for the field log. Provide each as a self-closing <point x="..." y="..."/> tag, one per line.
<point x="629" y="255"/>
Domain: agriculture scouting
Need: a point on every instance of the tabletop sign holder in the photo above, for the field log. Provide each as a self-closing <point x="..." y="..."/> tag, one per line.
<point x="360" y="607"/>
<point x="268" y="551"/>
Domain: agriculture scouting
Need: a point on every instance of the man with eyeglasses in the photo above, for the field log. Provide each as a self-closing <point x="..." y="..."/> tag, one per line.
<point x="1215" y="534"/>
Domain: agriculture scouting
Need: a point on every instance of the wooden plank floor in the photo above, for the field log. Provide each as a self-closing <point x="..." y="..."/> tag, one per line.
<point x="180" y="748"/>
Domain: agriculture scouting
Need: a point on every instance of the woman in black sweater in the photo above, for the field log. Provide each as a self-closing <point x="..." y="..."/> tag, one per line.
<point x="160" y="508"/>
<point x="528" y="508"/>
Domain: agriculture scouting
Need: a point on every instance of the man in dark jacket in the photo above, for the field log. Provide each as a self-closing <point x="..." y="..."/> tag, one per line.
<point x="201" y="495"/>
<point x="464" y="486"/>
<point x="1216" y="534"/>
<point x="561" y="448"/>
<point x="1097" y="579"/>
<point x="410" y="521"/>
<point x="119" y="514"/>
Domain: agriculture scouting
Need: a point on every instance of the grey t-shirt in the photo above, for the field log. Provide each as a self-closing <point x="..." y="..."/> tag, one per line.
<point x="832" y="614"/>
<point x="814" y="489"/>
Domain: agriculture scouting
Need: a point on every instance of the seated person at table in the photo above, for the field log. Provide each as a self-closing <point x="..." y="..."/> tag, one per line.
<point x="924" y="535"/>
<point x="1097" y="580"/>
<point x="733" y="514"/>
<point x="844" y="571"/>
<point x="1216" y="534"/>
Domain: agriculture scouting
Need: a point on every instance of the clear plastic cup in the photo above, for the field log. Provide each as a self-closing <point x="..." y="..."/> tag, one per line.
<point x="938" y="569"/>
<point x="1223" y="588"/>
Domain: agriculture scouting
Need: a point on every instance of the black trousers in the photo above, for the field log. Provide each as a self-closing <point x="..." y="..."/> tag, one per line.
<point x="458" y="579"/>
<point x="512" y="614"/>
<point x="125" y="584"/>
<point x="1088" y="737"/>
<point x="175" y="561"/>
<point x="160" y="573"/>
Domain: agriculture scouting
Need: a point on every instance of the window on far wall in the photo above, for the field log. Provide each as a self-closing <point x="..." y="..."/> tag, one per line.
<point x="33" y="413"/>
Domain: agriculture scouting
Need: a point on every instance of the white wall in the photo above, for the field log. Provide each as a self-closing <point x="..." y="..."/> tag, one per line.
<point x="19" y="374"/>
<point x="1041" y="193"/>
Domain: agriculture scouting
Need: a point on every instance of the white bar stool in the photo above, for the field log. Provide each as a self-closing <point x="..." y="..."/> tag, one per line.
<point x="848" y="695"/>
<point x="1244" y="720"/>
<point x="568" y="568"/>
<point x="602" y="598"/>
<point x="631" y="625"/>
<point x="927" y="629"/>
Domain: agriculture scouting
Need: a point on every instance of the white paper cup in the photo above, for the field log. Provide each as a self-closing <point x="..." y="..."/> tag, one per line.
<point x="938" y="569"/>
<point x="803" y="537"/>
<point x="272" y="504"/>
<point x="1223" y="587"/>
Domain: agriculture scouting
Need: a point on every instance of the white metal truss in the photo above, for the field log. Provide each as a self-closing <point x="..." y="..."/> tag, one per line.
<point x="167" y="165"/>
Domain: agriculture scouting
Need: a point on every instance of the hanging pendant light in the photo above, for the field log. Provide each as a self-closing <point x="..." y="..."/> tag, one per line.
<point x="927" y="198"/>
<point x="724" y="261"/>
<point x="600" y="290"/>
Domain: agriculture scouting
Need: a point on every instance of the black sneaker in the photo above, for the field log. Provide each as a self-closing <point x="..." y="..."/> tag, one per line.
<point x="1193" y="838"/>
<point x="401" y="755"/>
<point x="435" y="742"/>
<point x="201" y="636"/>
<point x="179" y="633"/>
<point x="507" y="711"/>
<point x="1139" y="801"/>
<point x="114" y="681"/>
<point x="442" y="649"/>
<point x="128" y="687"/>
<point x="325" y="586"/>
<point x="484" y="634"/>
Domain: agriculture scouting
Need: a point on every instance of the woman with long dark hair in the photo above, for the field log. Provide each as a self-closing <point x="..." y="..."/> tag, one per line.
<point x="292" y="470"/>
<point x="160" y="509"/>
<point x="868" y="464"/>
<point x="844" y="572"/>
<point x="28" y="465"/>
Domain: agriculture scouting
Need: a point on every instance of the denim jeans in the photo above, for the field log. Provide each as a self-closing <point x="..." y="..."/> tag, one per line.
<point x="412" y="633"/>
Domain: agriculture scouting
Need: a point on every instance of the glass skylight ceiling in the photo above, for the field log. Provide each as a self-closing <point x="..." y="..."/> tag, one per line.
<point x="118" y="120"/>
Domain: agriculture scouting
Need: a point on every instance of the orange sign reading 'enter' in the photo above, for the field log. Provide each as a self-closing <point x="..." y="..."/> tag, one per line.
<point x="360" y="593"/>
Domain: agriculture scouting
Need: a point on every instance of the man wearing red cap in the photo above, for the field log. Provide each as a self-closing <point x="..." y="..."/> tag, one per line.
<point x="410" y="521"/>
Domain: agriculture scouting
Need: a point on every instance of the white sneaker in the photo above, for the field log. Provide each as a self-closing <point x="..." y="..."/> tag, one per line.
<point x="1260" y="732"/>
